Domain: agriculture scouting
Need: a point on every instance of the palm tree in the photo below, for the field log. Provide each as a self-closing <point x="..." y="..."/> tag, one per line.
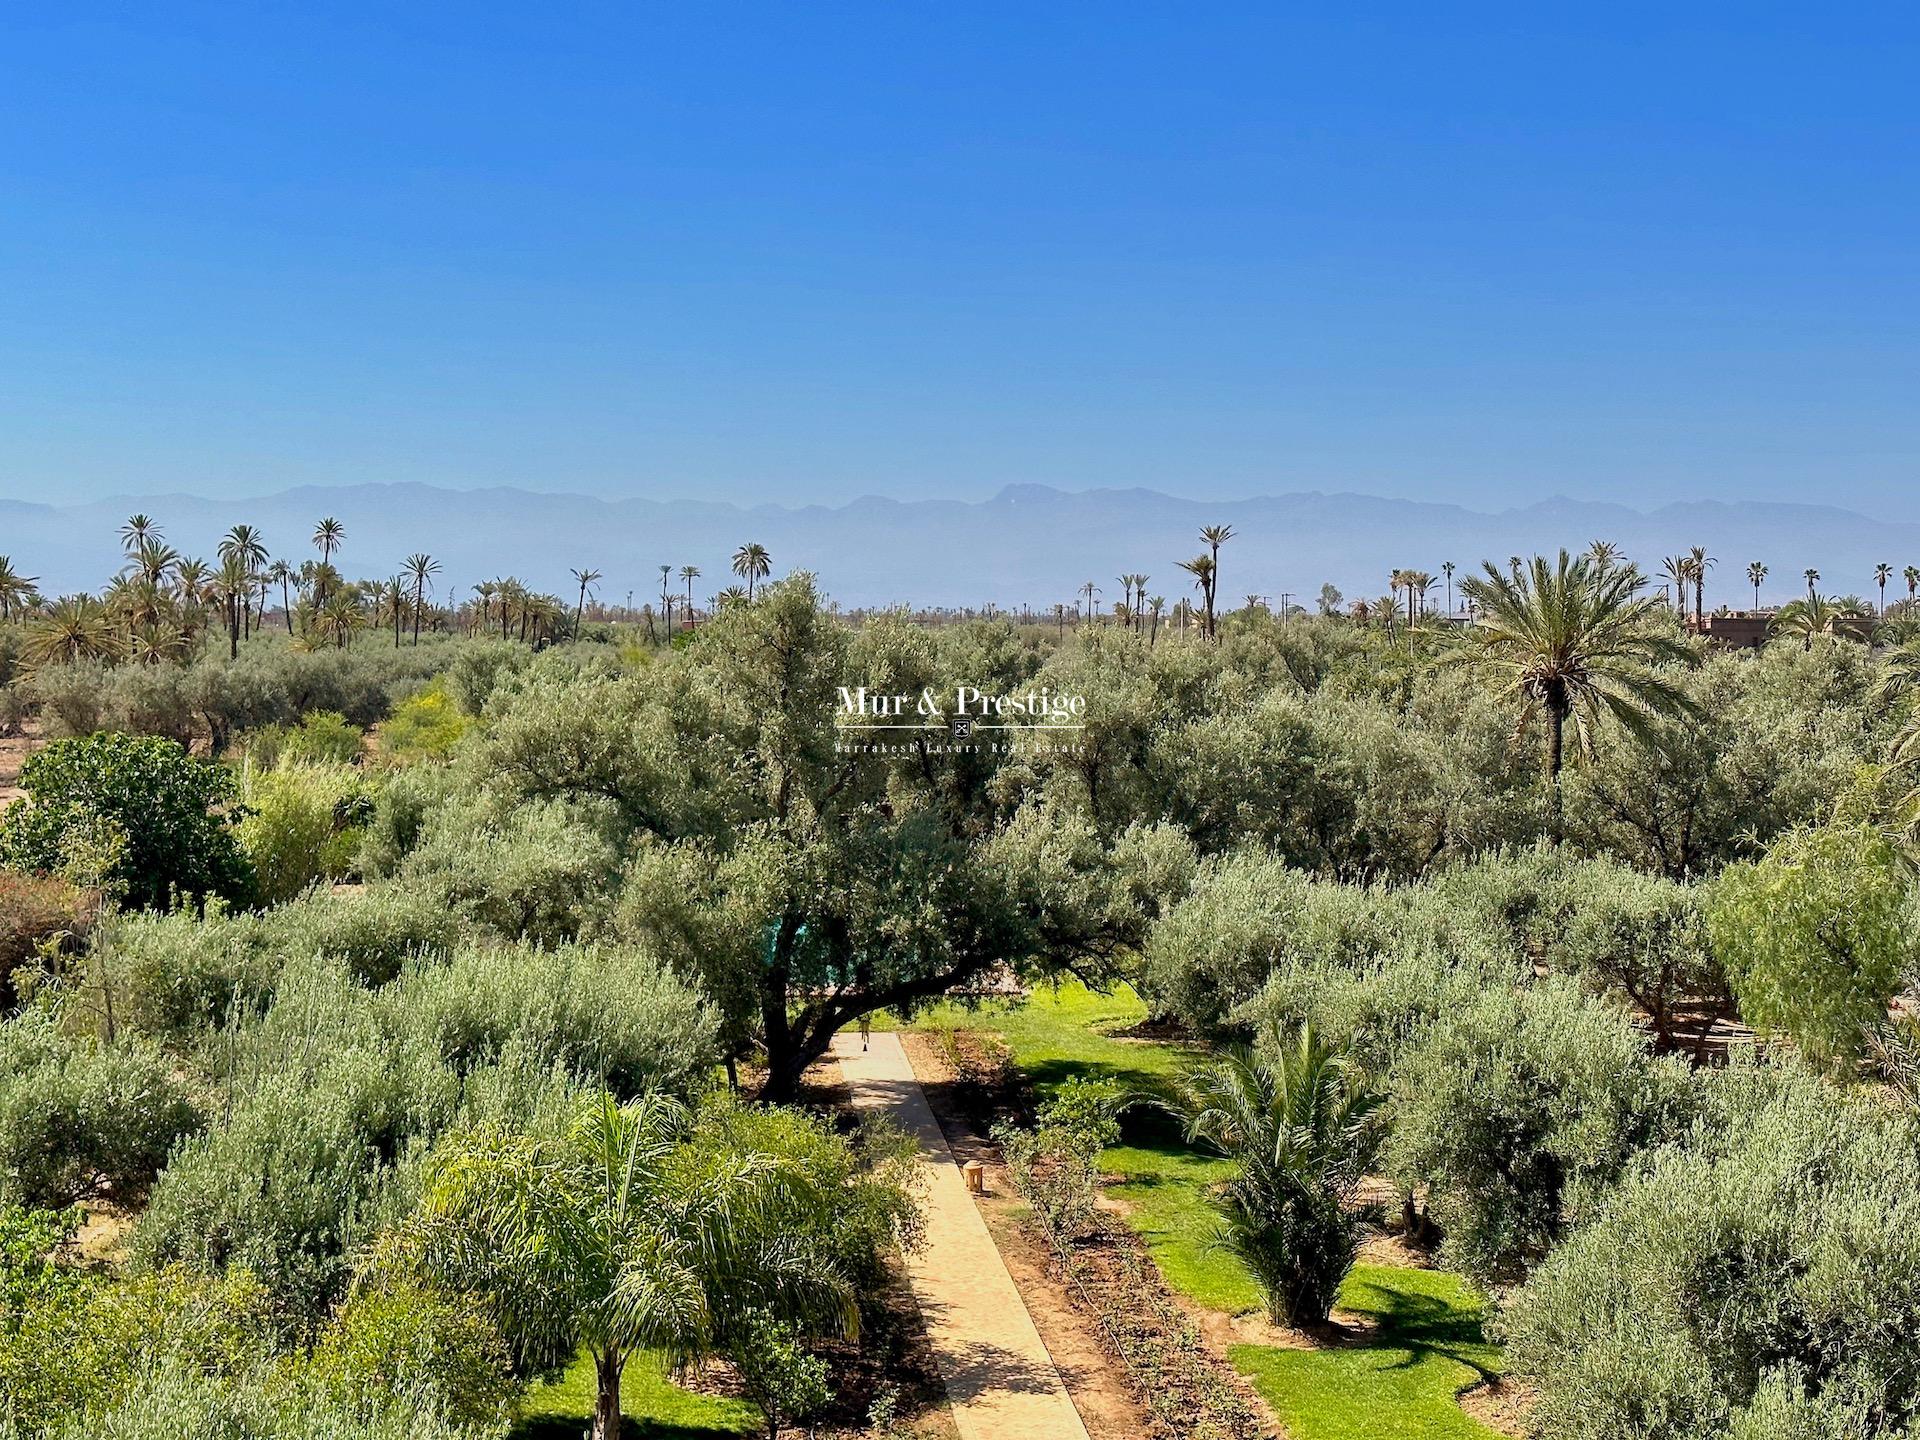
<point x="1201" y="567"/>
<point x="1679" y="571"/>
<point x="605" y="1240"/>
<point x="419" y="567"/>
<point x="75" y="627"/>
<point x="1813" y="579"/>
<point x="282" y="574"/>
<point x="153" y="560"/>
<point x="1912" y="576"/>
<point x="586" y="577"/>
<point x="1756" y="572"/>
<point x="1604" y="554"/>
<point x="1090" y="590"/>
<point x="1574" y="644"/>
<point x="1815" y="615"/>
<point x="1702" y="562"/>
<point x="16" y="590"/>
<point x="1446" y="569"/>
<point x="233" y="585"/>
<point x="1418" y="583"/>
<point x="1882" y="573"/>
<point x="666" y="601"/>
<point x="138" y="530"/>
<point x="393" y="605"/>
<point x="1155" y="605"/>
<point x="246" y="542"/>
<point x="689" y="574"/>
<point x="327" y="536"/>
<point x="1214" y="536"/>
<point x="751" y="562"/>
<point x="1302" y="1125"/>
<point x="339" y="616"/>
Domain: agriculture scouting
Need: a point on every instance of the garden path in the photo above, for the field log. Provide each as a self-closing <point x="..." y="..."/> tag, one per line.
<point x="1000" y="1380"/>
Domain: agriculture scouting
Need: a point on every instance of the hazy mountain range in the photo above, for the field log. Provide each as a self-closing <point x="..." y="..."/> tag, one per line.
<point x="1027" y="544"/>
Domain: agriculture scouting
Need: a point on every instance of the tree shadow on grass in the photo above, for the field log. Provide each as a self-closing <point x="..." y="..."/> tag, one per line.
<point x="1421" y="1324"/>
<point x="1047" y="1075"/>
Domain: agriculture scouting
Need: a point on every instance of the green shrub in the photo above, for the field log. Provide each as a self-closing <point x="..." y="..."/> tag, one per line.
<point x="155" y="816"/>
<point x="80" y="1345"/>
<point x="1641" y="938"/>
<point x="407" y="1341"/>
<point x="173" y="976"/>
<point x="297" y="829"/>
<point x="479" y="668"/>
<point x="1518" y="1111"/>
<point x="1215" y="948"/>
<point x="427" y="725"/>
<point x="80" y="1121"/>
<point x="536" y="875"/>
<point x="399" y="817"/>
<point x="151" y="700"/>
<point x="613" y="1016"/>
<point x="786" y="1381"/>
<point x="1761" y="1277"/>
<point x="72" y="698"/>
<point x="169" y="1399"/>
<point x="375" y="932"/>
<point x="1814" y="936"/>
<point x="317" y="1150"/>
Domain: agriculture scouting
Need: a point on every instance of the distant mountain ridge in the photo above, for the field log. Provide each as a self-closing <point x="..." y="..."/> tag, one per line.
<point x="1027" y="544"/>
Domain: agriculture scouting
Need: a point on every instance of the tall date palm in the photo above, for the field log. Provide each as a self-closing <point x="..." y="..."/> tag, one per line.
<point x="586" y="576"/>
<point x="1574" y="645"/>
<point x="420" y="568"/>
<point x="752" y="563"/>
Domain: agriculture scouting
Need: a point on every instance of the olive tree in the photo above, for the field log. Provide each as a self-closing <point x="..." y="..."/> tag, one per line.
<point x="1517" y="1111"/>
<point x="1761" y="1279"/>
<point x="837" y="878"/>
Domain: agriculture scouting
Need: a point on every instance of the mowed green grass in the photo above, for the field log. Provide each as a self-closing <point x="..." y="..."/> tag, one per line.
<point x="653" y="1406"/>
<point x="1399" y="1386"/>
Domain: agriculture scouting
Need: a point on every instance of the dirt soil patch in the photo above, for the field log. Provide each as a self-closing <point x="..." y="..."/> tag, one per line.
<point x="1501" y="1405"/>
<point x="14" y="750"/>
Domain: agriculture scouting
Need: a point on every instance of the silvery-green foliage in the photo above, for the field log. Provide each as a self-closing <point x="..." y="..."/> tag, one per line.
<point x="1517" y="1110"/>
<point x="1763" y="1278"/>
<point x="81" y="1120"/>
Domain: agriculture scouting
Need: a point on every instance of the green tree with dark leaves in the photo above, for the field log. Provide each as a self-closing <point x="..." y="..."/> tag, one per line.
<point x="134" y="812"/>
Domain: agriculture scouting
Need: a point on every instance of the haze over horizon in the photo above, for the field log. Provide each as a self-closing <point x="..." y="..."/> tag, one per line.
<point x="766" y="254"/>
<point x="1026" y="544"/>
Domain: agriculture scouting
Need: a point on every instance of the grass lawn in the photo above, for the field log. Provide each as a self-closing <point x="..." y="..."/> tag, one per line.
<point x="1399" y="1386"/>
<point x="653" y="1406"/>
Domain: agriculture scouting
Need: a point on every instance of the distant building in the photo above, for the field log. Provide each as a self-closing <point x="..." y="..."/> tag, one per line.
<point x="1750" y="629"/>
<point x="1735" y="629"/>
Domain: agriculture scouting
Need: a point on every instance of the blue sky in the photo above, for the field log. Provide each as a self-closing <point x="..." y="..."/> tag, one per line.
<point x="803" y="252"/>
